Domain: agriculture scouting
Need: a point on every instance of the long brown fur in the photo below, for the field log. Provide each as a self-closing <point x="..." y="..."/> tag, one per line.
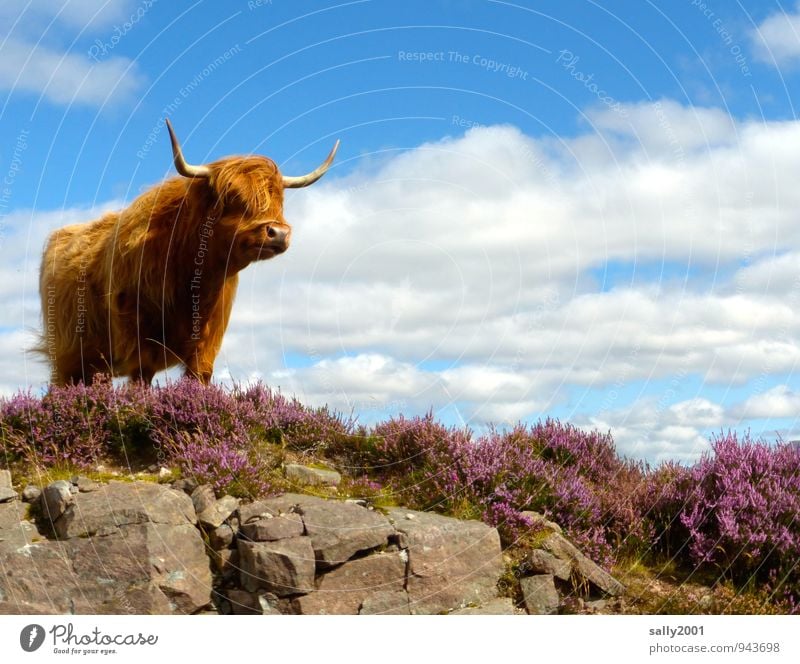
<point x="152" y="286"/>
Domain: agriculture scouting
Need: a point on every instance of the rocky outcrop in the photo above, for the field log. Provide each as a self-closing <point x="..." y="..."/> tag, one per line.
<point x="556" y="577"/>
<point x="311" y="476"/>
<point x="140" y="547"/>
<point x="361" y="561"/>
<point x="283" y="567"/>
<point x="583" y="567"/>
<point x="7" y="492"/>
<point x="451" y="563"/>
<point x="125" y="548"/>
<point x="540" y="594"/>
<point x="378" y="580"/>
<point x="500" y="606"/>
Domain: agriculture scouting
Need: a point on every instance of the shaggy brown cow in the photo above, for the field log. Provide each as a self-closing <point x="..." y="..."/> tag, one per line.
<point x="151" y="286"/>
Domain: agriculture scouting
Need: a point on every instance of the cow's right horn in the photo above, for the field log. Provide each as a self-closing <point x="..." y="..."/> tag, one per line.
<point x="185" y="169"/>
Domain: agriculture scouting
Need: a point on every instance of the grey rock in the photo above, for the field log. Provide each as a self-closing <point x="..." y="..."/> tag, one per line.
<point x="137" y="568"/>
<point x="596" y="605"/>
<point x="203" y="498"/>
<point x="343" y="590"/>
<point x="573" y="605"/>
<point x="16" y="532"/>
<point x="339" y="530"/>
<point x="168" y="561"/>
<point x="185" y="484"/>
<point x="593" y="573"/>
<point x="31" y="493"/>
<point x="5" y="479"/>
<point x="542" y="562"/>
<point x="226" y="562"/>
<point x="386" y="603"/>
<point x="56" y="497"/>
<point x="312" y="476"/>
<point x="500" y="606"/>
<point x="284" y="567"/>
<point x="452" y="563"/>
<point x="221" y="537"/>
<point x="212" y="513"/>
<point x="119" y="504"/>
<point x="84" y="484"/>
<point x="246" y="603"/>
<point x="541" y="521"/>
<point x="38" y="576"/>
<point x="288" y="503"/>
<point x="7" y="494"/>
<point x="273" y="528"/>
<point x="228" y="505"/>
<point x="540" y="594"/>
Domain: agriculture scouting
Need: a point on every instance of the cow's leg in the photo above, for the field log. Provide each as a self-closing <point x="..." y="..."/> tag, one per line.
<point x="200" y="363"/>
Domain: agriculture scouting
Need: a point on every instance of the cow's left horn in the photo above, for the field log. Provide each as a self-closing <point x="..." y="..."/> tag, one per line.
<point x="185" y="169"/>
<point x="310" y="178"/>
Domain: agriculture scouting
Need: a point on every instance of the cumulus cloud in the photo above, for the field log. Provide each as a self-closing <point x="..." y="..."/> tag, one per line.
<point x="33" y="58"/>
<point x="777" y="38"/>
<point x="666" y="127"/>
<point x="66" y="78"/>
<point x="504" y="276"/>
<point x="75" y="13"/>
<point x="650" y="429"/>
<point x="780" y="401"/>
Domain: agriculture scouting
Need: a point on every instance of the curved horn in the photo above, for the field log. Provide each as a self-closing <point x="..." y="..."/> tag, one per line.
<point x="187" y="170"/>
<point x="310" y="178"/>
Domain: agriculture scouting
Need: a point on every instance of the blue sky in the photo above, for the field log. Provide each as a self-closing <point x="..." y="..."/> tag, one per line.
<point x="579" y="209"/>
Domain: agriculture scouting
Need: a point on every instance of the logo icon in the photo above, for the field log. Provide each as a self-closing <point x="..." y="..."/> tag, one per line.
<point x="31" y="637"/>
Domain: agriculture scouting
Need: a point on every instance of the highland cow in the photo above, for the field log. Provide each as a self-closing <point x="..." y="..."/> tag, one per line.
<point x="152" y="286"/>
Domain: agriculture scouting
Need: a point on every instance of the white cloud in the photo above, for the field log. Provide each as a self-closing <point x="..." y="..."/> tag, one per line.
<point x="666" y="126"/>
<point x="780" y="401"/>
<point x="75" y="13"/>
<point x="649" y="429"/>
<point x="33" y="58"/>
<point x="777" y="38"/>
<point x="459" y="275"/>
<point x="698" y="412"/>
<point x="66" y="78"/>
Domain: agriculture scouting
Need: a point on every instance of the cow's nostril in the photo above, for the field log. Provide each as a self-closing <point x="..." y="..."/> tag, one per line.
<point x="271" y="233"/>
